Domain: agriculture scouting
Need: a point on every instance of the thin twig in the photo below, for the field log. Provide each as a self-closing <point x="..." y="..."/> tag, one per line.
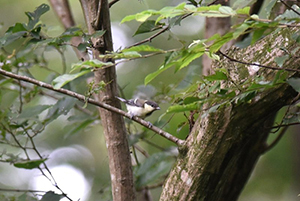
<point x="22" y="190"/>
<point x="82" y="98"/>
<point x="289" y="7"/>
<point x="284" y="125"/>
<point x="157" y="34"/>
<point x="112" y="3"/>
<point x="280" y="135"/>
<point x="259" y="65"/>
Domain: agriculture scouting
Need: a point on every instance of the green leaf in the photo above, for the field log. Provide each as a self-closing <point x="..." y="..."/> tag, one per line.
<point x="242" y="3"/>
<point x="240" y="30"/>
<point x="193" y="2"/>
<point x="185" y="61"/>
<point x="143" y="48"/>
<point x="244" y="10"/>
<point x="156" y="166"/>
<point x="77" y="127"/>
<point x="33" y="111"/>
<point x="17" y="28"/>
<point x="64" y="79"/>
<point x="10" y="37"/>
<point x="219" y="41"/>
<point x="227" y="10"/>
<point x="148" y="26"/>
<point x="34" y="17"/>
<point x="31" y="164"/>
<point x="184" y="108"/>
<point x="141" y="17"/>
<point x="90" y="64"/>
<point x="213" y="109"/>
<point x="63" y="106"/>
<point x="217" y="76"/>
<point x="51" y="196"/>
<point x="245" y="97"/>
<point x="153" y="75"/>
<point x="281" y="60"/>
<point x="257" y="34"/>
<point x="295" y="83"/>
<point x="72" y="31"/>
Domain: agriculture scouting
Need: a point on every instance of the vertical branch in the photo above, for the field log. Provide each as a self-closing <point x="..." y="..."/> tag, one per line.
<point x="215" y="25"/>
<point x="97" y="17"/>
<point x="63" y="11"/>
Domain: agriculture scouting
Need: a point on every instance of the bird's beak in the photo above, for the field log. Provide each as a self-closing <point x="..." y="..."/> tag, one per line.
<point x="158" y="108"/>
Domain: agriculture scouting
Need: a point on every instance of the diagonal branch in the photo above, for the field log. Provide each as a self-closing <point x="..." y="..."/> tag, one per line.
<point x="112" y="3"/>
<point x="82" y="98"/>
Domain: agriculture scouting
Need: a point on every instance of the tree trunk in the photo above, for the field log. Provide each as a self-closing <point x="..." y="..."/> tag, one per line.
<point x="97" y="18"/>
<point x="214" y="25"/>
<point x="223" y="147"/>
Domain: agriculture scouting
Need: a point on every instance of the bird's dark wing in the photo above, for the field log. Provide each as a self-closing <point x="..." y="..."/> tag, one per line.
<point x="136" y="102"/>
<point x="133" y="102"/>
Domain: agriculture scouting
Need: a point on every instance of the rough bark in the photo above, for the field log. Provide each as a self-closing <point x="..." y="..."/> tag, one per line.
<point x="97" y="18"/>
<point x="223" y="147"/>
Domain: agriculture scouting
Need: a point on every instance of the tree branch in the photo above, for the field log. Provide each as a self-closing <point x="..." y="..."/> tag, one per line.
<point x="82" y="98"/>
<point x="290" y="7"/>
<point x="112" y="3"/>
<point x="278" y="138"/>
<point x="156" y="34"/>
<point x="63" y="11"/>
<point x="259" y="65"/>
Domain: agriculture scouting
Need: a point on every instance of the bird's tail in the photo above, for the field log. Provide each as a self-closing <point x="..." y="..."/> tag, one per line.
<point x="121" y="99"/>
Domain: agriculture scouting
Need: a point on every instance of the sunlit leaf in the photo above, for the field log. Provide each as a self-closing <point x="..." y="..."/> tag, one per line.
<point x="243" y="10"/>
<point x="142" y="48"/>
<point x="141" y="17"/>
<point x="227" y="10"/>
<point x="90" y="64"/>
<point x="183" y="108"/>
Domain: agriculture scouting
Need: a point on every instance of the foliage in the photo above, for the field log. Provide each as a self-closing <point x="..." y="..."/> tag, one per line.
<point x="24" y="121"/>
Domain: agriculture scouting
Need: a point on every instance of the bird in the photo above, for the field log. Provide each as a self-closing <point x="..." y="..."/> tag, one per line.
<point x="140" y="107"/>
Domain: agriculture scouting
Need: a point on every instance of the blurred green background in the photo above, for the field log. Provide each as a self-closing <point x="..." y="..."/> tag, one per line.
<point x="80" y="160"/>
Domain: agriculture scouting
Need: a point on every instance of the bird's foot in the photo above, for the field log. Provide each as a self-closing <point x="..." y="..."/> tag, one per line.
<point x="149" y="124"/>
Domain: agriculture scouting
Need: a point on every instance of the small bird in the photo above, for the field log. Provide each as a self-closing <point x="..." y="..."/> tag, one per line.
<point x="140" y="107"/>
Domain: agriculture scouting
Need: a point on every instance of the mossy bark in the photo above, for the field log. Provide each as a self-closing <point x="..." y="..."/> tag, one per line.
<point x="223" y="147"/>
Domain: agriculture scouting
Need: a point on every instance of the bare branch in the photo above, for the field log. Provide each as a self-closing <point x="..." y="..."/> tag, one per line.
<point x="275" y="142"/>
<point x="157" y="34"/>
<point x="112" y="3"/>
<point x="259" y="65"/>
<point x="82" y="98"/>
<point x="22" y="190"/>
<point x="289" y="7"/>
<point x="63" y="11"/>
